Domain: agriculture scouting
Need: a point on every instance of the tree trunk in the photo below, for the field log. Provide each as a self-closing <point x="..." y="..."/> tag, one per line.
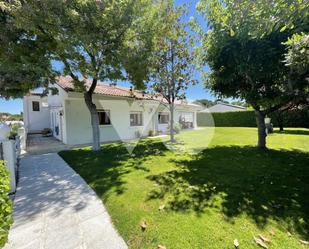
<point x="94" y="121"/>
<point x="260" y="121"/>
<point x="172" y="123"/>
<point x="280" y="121"/>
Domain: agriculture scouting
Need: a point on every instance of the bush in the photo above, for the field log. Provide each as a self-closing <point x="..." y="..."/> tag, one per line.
<point x="5" y="205"/>
<point x="228" y="119"/>
<point x="14" y="131"/>
<point x="247" y="119"/>
<point x="293" y="118"/>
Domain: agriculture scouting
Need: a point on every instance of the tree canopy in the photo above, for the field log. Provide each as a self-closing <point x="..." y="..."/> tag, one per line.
<point x="245" y="50"/>
<point x="24" y="62"/>
<point x="95" y="40"/>
<point x="172" y="65"/>
<point x="205" y="102"/>
<point x="296" y="59"/>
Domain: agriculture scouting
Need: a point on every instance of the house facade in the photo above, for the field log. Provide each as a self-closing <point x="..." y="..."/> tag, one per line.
<point x="123" y="114"/>
<point x="36" y="113"/>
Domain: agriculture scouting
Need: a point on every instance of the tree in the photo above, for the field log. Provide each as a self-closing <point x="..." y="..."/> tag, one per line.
<point x="296" y="59"/>
<point x="222" y="100"/>
<point x="239" y="103"/>
<point x="91" y="38"/>
<point x="172" y="62"/>
<point x="24" y="62"/>
<point x="206" y="102"/>
<point x="297" y="55"/>
<point x="5" y="116"/>
<point x="245" y="51"/>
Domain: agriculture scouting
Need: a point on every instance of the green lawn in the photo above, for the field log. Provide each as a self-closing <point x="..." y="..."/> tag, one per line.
<point x="231" y="190"/>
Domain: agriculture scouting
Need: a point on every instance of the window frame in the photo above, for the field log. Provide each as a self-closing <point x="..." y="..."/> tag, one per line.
<point x="165" y="114"/>
<point x="142" y="118"/>
<point x="109" y="117"/>
<point x="37" y="102"/>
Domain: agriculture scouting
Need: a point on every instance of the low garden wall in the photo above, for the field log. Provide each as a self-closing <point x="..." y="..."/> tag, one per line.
<point x="247" y="119"/>
<point x="5" y="204"/>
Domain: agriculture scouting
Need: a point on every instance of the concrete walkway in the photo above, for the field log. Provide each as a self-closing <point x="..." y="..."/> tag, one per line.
<point x="55" y="208"/>
<point x="37" y="144"/>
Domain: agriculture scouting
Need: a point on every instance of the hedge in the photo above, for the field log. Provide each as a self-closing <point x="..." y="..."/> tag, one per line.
<point x="5" y="205"/>
<point x="293" y="118"/>
<point x="247" y="119"/>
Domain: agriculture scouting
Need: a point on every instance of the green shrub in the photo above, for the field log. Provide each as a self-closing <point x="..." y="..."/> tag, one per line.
<point x="5" y="205"/>
<point x="228" y="119"/>
<point x="293" y="118"/>
<point x="14" y="131"/>
<point x="247" y="119"/>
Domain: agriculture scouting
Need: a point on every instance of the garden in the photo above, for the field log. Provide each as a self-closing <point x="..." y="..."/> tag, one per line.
<point x="229" y="190"/>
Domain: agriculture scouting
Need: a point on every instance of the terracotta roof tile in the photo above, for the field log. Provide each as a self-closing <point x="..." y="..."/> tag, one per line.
<point x="66" y="82"/>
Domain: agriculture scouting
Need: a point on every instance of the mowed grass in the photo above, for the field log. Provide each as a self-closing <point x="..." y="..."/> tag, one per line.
<point x="230" y="190"/>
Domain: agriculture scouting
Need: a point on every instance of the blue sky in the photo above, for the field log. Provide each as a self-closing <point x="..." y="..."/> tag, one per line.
<point x="193" y="93"/>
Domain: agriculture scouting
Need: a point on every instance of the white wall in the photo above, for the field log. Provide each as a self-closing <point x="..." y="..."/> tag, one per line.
<point x="35" y="120"/>
<point x="78" y="124"/>
<point x="56" y="104"/>
<point x="57" y="100"/>
<point x="162" y="128"/>
<point x="10" y="160"/>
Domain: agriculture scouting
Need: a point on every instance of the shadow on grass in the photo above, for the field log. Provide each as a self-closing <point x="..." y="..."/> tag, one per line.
<point x="293" y="132"/>
<point x="103" y="170"/>
<point x="240" y="180"/>
<point x="233" y="180"/>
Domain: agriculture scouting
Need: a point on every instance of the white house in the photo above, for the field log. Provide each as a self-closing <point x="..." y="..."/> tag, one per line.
<point x="123" y="113"/>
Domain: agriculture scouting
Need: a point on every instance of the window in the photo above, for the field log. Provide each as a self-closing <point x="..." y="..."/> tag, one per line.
<point x="186" y="120"/>
<point x="186" y="117"/>
<point x="104" y="117"/>
<point x="35" y="106"/>
<point x="163" y="118"/>
<point x="136" y="119"/>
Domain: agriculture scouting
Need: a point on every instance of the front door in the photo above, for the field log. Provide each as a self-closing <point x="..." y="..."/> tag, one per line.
<point x="56" y="117"/>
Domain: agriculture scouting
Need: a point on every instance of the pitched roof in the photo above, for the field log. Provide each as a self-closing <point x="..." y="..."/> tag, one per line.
<point x="224" y="107"/>
<point x="231" y="105"/>
<point x="66" y="83"/>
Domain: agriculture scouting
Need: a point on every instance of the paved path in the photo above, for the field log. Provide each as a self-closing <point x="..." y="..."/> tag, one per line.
<point x="55" y="208"/>
<point x="37" y="144"/>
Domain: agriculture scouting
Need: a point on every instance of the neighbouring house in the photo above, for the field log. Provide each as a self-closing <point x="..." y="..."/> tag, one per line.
<point x="124" y="113"/>
<point x="224" y="107"/>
